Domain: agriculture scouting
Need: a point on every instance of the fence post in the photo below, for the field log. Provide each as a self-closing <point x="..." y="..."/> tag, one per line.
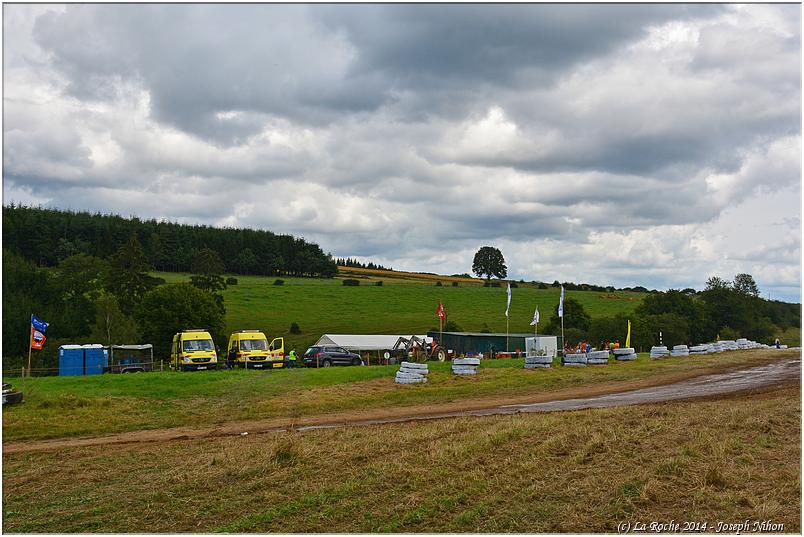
<point x="161" y="365"/>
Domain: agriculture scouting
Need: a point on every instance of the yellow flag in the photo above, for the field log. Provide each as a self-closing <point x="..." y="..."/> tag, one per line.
<point x="628" y="337"/>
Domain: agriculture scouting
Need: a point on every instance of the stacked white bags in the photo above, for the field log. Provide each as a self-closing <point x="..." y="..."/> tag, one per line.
<point x="410" y="373"/>
<point x="699" y="349"/>
<point x="659" y="352"/>
<point x="680" y="350"/>
<point x="597" y="357"/>
<point x="574" y="360"/>
<point x="624" y="354"/>
<point x="465" y="366"/>
<point x="729" y="344"/>
<point x="538" y="362"/>
<point x="742" y="343"/>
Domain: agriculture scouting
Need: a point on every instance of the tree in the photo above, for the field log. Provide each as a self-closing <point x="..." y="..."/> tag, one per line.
<point x="128" y="275"/>
<point x="744" y="283"/>
<point x="208" y="274"/>
<point x="716" y="283"/>
<point x="574" y="317"/>
<point x="489" y="261"/>
<point x="112" y="326"/>
<point x="168" y="309"/>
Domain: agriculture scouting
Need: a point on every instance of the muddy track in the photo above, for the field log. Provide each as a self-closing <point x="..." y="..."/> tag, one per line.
<point x="704" y="383"/>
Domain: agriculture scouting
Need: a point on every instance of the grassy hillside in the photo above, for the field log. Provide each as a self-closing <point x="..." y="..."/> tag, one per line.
<point x="404" y="304"/>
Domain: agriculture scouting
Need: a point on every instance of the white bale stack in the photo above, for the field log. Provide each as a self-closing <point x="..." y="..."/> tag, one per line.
<point x="597" y="358"/>
<point x="680" y="350"/>
<point x="699" y="349"/>
<point x="465" y="366"/>
<point x="538" y="362"/>
<point x="411" y="373"/>
<point x="728" y="345"/>
<point x="659" y="352"/>
<point x="742" y="343"/>
<point x="625" y="354"/>
<point x="574" y="360"/>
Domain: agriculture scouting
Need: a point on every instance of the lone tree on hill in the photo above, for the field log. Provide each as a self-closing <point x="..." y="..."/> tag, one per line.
<point x="489" y="261"/>
<point x="208" y="274"/>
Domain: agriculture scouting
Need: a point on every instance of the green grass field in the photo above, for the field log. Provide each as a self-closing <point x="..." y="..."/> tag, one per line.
<point x="58" y="407"/>
<point x="399" y="306"/>
<point x="705" y="461"/>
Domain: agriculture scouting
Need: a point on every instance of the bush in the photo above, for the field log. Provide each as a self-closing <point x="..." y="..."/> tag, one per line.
<point x="438" y="284"/>
<point x="378" y="284"/>
<point x="231" y="281"/>
<point x="455" y="284"/>
<point x="351" y="283"/>
<point x="514" y="285"/>
<point x="496" y="284"/>
<point x="294" y="328"/>
<point x="452" y="326"/>
<point x="542" y="285"/>
<point x="279" y="282"/>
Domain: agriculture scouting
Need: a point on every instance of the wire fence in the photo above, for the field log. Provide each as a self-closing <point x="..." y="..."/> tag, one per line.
<point x="17" y="372"/>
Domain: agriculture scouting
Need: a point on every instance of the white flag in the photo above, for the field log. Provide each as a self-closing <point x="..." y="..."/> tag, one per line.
<point x="535" y="317"/>
<point x="508" y="306"/>
<point x="561" y="303"/>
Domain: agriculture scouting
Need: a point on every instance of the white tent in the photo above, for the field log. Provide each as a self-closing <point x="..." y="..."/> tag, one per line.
<point x="364" y="342"/>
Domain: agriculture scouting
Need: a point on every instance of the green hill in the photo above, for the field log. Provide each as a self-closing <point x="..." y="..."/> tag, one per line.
<point x="321" y="306"/>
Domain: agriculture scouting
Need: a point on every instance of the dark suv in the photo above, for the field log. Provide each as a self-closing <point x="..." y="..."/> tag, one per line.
<point x="325" y="356"/>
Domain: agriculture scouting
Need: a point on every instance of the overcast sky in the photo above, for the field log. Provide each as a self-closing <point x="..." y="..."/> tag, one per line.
<point x="623" y="145"/>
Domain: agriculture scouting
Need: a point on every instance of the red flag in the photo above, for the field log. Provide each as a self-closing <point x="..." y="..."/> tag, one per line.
<point x="440" y="311"/>
<point x="37" y="338"/>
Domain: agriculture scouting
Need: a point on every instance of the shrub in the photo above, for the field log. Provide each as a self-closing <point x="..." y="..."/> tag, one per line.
<point x="496" y="284"/>
<point x="378" y="284"/>
<point x="542" y="285"/>
<point x="279" y="282"/>
<point x="231" y="281"/>
<point x="514" y="285"/>
<point x="294" y="328"/>
<point x="438" y="284"/>
<point x="351" y="283"/>
<point x="455" y="284"/>
<point x="452" y="326"/>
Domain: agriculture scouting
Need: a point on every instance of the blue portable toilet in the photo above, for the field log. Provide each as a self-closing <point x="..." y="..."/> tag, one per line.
<point x="71" y="360"/>
<point x="94" y="362"/>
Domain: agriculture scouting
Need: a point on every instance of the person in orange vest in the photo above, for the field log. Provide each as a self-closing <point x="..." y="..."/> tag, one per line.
<point x="617" y="344"/>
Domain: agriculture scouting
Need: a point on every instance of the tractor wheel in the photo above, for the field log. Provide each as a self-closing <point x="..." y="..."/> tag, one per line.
<point x="441" y="355"/>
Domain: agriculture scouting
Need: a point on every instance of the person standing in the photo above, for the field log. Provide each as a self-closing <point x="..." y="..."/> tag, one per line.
<point x="292" y="359"/>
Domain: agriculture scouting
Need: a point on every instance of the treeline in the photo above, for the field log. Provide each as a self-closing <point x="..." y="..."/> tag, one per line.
<point x="724" y="310"/>
<point x="354" y="263"/>
<point x="569" y="286"/>
<point x="47" y="236"/>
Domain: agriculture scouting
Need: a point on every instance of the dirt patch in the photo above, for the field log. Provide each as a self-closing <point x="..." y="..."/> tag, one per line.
<point x="372" y="416"/>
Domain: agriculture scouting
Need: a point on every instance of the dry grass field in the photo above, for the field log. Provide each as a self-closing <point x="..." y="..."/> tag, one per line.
<point x="720" y="460"/>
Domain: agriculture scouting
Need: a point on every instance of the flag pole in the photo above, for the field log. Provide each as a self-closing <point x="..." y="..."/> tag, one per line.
<point x="441" y="323"/>
<point x="30" y="342"/>
<point x="507" y="349"/>
<point x="563" y="344"/>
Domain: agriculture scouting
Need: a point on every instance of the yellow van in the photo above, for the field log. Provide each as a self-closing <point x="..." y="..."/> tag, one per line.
<point x="193" y="350"/>
<point x="250" y="349"/>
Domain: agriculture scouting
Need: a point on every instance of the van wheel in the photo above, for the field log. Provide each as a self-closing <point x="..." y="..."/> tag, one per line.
<point x="326" y="363"/>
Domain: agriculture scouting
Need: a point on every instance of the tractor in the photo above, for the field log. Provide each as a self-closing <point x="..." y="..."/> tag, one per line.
<point x="416" y="349"/>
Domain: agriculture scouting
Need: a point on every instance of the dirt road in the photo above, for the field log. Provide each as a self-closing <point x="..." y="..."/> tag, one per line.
<point x="689" y="385"/>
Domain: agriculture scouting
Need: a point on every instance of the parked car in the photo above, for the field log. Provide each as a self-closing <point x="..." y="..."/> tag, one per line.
<point x="321" y="356"/>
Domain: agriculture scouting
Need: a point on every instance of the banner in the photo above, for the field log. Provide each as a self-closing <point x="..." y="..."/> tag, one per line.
<point x="628" y="336"/>
<point x="535" y="320"/>
<point x="440" y="311"/>
<point x="37" y="339"/>
<point x="561" y="303"/>
<point x="38" y="324"/>
<point x="508" y="306"/>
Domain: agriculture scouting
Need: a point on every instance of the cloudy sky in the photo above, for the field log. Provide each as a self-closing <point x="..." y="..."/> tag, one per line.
<point x="623" y="145"/>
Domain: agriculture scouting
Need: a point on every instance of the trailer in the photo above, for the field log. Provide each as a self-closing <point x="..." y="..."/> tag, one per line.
<point x="130" y="358"/>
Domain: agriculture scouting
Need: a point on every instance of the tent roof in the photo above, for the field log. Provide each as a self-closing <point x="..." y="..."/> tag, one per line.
<point x="363" y="342"/>
<point x="133" y="347"/>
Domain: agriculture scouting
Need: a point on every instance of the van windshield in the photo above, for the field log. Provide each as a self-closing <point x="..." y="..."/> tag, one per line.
<point x="192" y="345"/>
<point x="253" y="345"/>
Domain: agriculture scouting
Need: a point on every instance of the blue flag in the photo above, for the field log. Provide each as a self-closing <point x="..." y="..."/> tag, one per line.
<point x="38" y="324"/>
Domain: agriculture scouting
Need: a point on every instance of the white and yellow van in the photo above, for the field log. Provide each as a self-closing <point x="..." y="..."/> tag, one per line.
<point x="193" y="350"/>
<point x="250" y="349"/>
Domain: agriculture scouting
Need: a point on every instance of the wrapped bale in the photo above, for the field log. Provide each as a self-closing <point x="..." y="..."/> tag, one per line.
<point x="680" y="350"/>
<point x="465" y="366"/>
<point x="625" y="354"/>
<point x="411" y="373"/>
<point x="597" y="358"/>
<point x="538" y="362"/>
<point x="574" y="360"/>
<point x="698" y="349"/>
<point x="659" y="352"/>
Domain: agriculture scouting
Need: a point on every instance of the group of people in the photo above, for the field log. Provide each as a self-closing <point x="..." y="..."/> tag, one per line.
<point x="585" y="346"/>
